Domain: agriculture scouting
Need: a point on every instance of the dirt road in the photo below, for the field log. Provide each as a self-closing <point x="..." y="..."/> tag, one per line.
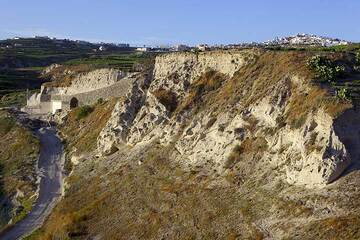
<point x="51" y="172"/>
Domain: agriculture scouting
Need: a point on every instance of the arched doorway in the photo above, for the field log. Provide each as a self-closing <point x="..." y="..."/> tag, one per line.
<point x="74" y="103"/>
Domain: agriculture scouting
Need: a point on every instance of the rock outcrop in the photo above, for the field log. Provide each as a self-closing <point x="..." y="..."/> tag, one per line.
<point x="213" y="106"/>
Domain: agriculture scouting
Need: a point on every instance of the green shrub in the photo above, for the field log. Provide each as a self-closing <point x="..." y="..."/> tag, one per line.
<point x="325" y="69"/>
<point x="83" y="112"/>
<point x="357" y="58"/>
<point x="100" y="101"/>
<point x="6" y="124"/>
<point x="343" y="94"/>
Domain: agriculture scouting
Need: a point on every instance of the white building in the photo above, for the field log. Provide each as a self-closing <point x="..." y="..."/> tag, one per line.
<point x="181" y="47"/>
<point x="203" y="47"/>
<point x="102" y="48"/>
<point x="142" y="49"/>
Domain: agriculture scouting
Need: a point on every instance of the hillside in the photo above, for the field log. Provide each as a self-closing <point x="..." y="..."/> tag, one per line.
<point x="22" y="61"/>
<point x="242" y="144"/>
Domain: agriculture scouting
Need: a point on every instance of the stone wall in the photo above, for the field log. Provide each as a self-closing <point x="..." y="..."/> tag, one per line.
<point x="117" y="89"/>
<point x="87" y="88"/>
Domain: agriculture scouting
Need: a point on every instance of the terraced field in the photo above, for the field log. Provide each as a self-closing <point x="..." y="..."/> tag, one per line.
<point x="123" y="61"/>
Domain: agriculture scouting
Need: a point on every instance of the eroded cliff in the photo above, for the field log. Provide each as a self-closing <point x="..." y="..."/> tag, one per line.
<point x="210" y="105"/>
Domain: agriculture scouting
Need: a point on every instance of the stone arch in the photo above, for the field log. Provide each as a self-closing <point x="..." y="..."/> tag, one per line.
<point x="74" y="102"/>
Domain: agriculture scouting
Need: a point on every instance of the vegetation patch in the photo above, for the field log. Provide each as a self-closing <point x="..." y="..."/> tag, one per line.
<point x="15" y="98"/>
<point x="166" y="98"/>
<point x="254" y="145"/>
<point x="83" y="111"/>
<point x="208" y="82"/>
<point x="342" y="227"/>
<point x="148" y="201"/>
<point x="325" y="69"/>
<point x="303" y="103"/>
<point x="83" y="125"/>
<point x="124" y="62"/>
<point x="18" y="80"/>
<point x="344" y="94"/>
<point x="6" y="123"/>
<point x="63" y="75"/>
<point x="257" y="79"/>
<point x="357" y="58"/>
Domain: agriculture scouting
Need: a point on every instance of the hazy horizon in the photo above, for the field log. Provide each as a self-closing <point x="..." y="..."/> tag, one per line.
<point x="189" y="22"/>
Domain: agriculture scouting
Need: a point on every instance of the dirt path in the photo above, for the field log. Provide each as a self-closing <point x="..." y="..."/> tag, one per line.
<point x="51" y="168"/>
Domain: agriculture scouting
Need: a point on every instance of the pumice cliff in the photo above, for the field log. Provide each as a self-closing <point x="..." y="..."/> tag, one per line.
<point x="220" y="109"/>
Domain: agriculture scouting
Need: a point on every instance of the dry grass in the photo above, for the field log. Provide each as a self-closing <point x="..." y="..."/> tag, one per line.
<point x="253" y="145"/>
<point x="150" y="201"/>
<point x="82" y="133"/>
<point x="166" y="98"/>
<point x="302" y="104"/>
<point x="64" y="75"/>
<point x="257" y="80"/>
<point x="345" y="227"/>
<point x="205" y="84"/>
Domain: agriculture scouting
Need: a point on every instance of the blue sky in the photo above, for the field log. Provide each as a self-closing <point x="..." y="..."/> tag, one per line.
<point x="179" y="21"/>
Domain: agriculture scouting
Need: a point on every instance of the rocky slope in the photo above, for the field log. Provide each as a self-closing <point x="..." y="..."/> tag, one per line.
<point x="216" y="145"/>
<point x="308" y="149"/>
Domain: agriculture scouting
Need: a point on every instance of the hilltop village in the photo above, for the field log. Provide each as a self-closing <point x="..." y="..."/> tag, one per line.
<point x="299" y="40"/>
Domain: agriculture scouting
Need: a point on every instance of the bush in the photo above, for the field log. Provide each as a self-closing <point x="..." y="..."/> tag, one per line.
<point x="6" y="124"/>
<point x="325" y="69"/>
<point x="357" y="58"/>
<point x="100" y="101"/>
<point x="343" y="94"/>
<point x="83" y="112"/>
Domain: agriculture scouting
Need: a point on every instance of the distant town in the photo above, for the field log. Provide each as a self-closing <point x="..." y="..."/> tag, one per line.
<point x="299" y="40"/>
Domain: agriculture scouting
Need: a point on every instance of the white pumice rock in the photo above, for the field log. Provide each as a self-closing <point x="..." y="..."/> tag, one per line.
<point x="313" y="155"/>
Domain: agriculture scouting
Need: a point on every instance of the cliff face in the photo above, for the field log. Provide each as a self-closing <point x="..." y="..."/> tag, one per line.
<point x="222" y="109"/>
<point x="68" y="82"/>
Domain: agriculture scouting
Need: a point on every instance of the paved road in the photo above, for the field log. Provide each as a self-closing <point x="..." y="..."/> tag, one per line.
<point x="51" y="167"/>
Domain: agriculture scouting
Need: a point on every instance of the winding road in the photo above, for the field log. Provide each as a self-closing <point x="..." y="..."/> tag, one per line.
<point x="50" y="164"/>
